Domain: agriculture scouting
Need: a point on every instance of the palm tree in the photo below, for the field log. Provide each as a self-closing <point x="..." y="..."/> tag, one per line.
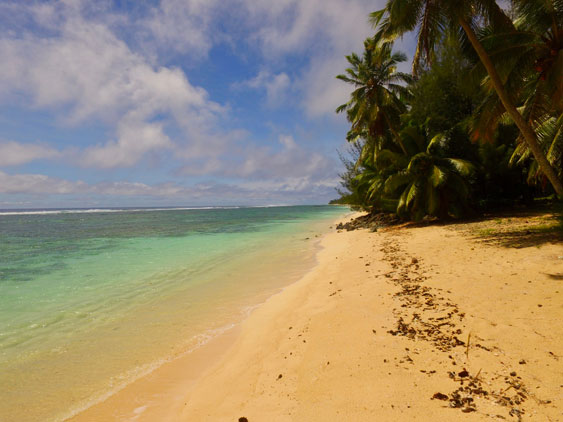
<point x="376" y="103"/>
<point x="370" y="182"/>
<point x="422" y="181"/>
<point x="434" y="17"/>
<point x="429" y="183"/>
<point x="550" y="136"/>
<point x="530" y="59"/>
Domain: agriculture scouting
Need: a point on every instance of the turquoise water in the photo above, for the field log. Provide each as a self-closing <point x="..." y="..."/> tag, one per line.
<point x="90" y="300"/>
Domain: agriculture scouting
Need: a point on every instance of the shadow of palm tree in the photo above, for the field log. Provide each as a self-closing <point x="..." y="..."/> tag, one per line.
<point x="510" y="228"/>
<point x="550" y="231"/>
<point x="523" y="239"/>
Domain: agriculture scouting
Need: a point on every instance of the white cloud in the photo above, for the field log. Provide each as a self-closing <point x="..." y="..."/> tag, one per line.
<point x="287" y="159"/>
<point x="325" y="30"/>
<point x="291" y="161"/>
<point x="84" y="72"/>
<point x="183" y="25"/>
<point x="322" y="30"/>
<point x="322" y="92"/>
<point x="37" y="184"/>
<point x="293" y="185"/>
<point x="87" y="74"/>
<point x="134" y="140"/>
<point x="276" y="86"/>
<point x="289" y="190"/>
<point x="292" y="26"/>
<point x="15" y="153"/>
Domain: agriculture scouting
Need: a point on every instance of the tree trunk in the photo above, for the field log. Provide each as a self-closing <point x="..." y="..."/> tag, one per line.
<point x="526" y="130"/>
<point x="395" y="134"/>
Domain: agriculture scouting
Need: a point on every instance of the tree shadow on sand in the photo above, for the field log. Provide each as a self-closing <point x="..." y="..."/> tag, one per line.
<point x="511" y="229"/>
<point x="518" y="239"/>
<point x="522" y="230"/>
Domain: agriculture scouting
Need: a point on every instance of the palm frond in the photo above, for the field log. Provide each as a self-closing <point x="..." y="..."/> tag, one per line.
<point x="341" y="108"/>
<point x="414" y="192"/>
<point x="432" y="198"/>
<point x="438" y="177"/>
<point x="463" y="167"/>
<point x="387" y="158"/>
<point x="402" y="205"/>
<point x="396" y="181"/>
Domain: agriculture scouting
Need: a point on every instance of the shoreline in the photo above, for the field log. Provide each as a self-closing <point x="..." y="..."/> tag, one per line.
<point x="145" y="391"/>
<point x="393" y="325"/>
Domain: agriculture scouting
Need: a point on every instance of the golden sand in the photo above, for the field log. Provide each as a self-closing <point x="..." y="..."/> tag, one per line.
<point x="435" y="323"/>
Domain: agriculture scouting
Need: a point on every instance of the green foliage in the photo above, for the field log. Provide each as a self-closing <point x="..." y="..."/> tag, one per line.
<point x="431" y="183"/>
<point x="444" y="96"/>
<point x="441" y="143"/>
<point x="375" y="104"/>
<point x="523" y="59"/>
<point x="349" y="187"/>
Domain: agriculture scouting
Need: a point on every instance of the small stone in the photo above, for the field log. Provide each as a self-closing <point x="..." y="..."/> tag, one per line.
<point x="439" y="396"/>
<point x="463" y="374"/>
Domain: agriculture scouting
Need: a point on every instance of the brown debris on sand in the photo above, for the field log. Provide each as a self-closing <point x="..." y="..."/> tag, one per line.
<point x="440" y="396"/>
<point x="369" y="221"/>
<point x="426" y="314"/>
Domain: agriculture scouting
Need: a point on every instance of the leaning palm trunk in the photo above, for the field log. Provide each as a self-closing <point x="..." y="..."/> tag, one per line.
<point x="527" y="131"/>
<point x="395" y="133"/>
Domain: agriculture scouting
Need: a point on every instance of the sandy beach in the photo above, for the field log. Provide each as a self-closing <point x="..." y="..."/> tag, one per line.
<point x="281" y="211"/>
<point x="440" y="322"/>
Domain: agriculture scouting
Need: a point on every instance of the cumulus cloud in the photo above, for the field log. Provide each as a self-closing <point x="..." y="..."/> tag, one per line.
<point x="183" y="25"/>
<point x="135" y="139"/>
<point x="276" y="86"/>
<point x="292" y="159"/>
<point x="322" y="92"/>
<point x="280" y="162"/>
<point x="15" y="153"/>
<point x="291" y="26"/>
<point x="84" y="63"/>
<point x="322" y="30"/>
<point x="326" y="30"/>
<point x="88" y="74"/>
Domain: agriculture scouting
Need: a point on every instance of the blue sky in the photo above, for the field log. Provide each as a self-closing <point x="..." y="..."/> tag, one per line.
<point x="174" y="102"/>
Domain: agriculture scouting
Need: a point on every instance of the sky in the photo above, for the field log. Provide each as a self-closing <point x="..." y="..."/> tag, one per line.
<point x="174" y="102"/>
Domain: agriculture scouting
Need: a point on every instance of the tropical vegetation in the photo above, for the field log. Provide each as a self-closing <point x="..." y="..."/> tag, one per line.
<point x="477" y="123"/>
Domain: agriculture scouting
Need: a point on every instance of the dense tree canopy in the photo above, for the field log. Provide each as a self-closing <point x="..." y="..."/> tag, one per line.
<point x="447" y="141"/>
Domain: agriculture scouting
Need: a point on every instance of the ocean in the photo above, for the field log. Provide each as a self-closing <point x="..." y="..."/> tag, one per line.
<point x="91" y="300"/>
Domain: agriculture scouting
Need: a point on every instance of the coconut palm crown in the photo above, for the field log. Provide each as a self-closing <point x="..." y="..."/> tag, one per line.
<point x="375" y="105"/>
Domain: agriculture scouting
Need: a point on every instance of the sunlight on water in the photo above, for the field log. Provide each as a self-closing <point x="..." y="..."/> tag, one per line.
<point x="91" y="300"/>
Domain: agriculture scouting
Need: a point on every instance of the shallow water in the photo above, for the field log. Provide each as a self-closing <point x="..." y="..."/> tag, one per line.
<point x="91" y="300"/>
